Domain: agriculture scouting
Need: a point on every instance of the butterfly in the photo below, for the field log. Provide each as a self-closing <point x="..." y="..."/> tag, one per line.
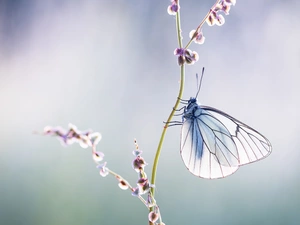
<point x="214" y="144"/>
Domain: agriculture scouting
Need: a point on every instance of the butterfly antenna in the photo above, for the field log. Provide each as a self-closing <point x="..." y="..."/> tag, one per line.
<point x="199" y="82"/>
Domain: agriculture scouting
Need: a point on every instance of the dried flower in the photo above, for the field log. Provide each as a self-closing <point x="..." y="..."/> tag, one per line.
<point x="144" y="186"/>
<point x="173" y="8"/>
<point x="153" y="216"/>
<point x="95" y="138"/>
<point x="84" y="138"/>
<point x="186" y="56"/>
<point x="138" y="163"/>
<point x="122" y="184"/>
<point x="215" y="17"/>
<point x="197" y="36"/>
<point x="98" y="156"/>
<point x="103" y="169"/>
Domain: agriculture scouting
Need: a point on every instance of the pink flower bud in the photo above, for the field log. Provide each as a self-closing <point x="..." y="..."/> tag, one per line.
<point x="138" y="163"/>
<point x="153" y="216"/>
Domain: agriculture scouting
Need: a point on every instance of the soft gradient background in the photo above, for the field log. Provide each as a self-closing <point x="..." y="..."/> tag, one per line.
<point x="109" y="66"/>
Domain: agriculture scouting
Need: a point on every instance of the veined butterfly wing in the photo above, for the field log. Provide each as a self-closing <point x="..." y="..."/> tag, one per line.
<point x="214" y="144"/>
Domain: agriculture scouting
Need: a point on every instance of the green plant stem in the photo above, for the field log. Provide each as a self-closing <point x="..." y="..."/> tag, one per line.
<point x="178" y="28"/>
<point x="182" y="76"/>
<point x="154" y="168"/>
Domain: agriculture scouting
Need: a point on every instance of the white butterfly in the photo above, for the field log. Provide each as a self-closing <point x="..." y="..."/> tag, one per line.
<point x="214" y="144"/>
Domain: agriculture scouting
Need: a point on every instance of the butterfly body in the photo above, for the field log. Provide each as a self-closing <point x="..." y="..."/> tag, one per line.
<point x="214" y="144"/>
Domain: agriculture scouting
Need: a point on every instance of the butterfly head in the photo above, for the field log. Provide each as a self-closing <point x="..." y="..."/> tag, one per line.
<point x="191" y="108"/>
<point x="192" y="100"/>
<point x="192" y="103"/>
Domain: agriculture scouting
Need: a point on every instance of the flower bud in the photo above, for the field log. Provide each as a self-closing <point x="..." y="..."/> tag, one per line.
<point x="98" y="156"/>
<point x="173" y="8"/>
<point x="138" y="163"/>
<point x="103" y="169"/>
<point x="122" y="184"/>
<point x="153" y="216"/>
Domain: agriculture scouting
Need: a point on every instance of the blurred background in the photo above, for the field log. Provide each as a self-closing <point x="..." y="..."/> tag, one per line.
<point x="109" y="66"/>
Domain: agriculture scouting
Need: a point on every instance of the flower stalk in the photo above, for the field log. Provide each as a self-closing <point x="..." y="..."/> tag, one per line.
<point x="181" y="88"/>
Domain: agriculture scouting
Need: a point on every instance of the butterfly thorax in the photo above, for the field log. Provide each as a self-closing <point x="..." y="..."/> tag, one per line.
<point x="192" y="110"/>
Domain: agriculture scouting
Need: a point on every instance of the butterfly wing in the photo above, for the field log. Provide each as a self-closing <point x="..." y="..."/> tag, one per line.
<point x="214" y="144"/>
<point x="207" y="148"/>
<point x="251" y="145"/>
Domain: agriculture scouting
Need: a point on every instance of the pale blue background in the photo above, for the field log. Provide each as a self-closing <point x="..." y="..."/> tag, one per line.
<point x="109" y="66"/>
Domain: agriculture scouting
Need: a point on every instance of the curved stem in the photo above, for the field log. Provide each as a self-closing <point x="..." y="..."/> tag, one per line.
<point x="154" y="168"/>
<point x="156" y="159"/>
